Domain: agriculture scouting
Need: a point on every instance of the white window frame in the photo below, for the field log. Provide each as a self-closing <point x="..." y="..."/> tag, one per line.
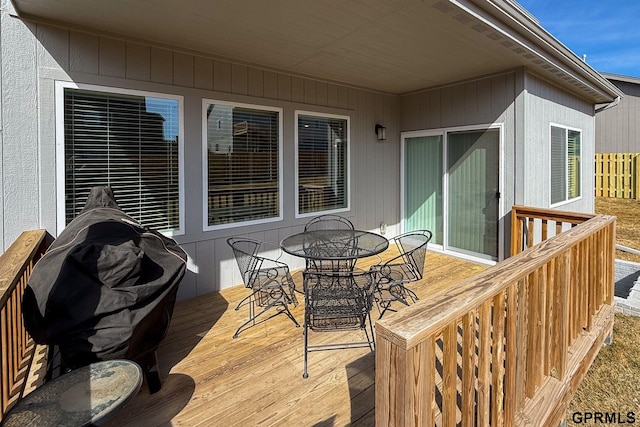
<point x="299" y="113"/>
<point x="205" y="166"/>
<point x="60" y="86"/>
<point x="566" y="158"/>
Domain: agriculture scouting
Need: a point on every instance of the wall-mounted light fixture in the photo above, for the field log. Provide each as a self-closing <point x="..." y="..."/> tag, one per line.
<point x="381" y="132"/>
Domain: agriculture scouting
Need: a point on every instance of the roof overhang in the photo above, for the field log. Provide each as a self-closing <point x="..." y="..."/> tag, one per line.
<point x="620" y="78"/>
<point x="394" y="47"/>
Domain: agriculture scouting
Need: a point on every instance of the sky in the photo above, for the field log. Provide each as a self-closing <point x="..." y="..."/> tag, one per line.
<point x="607" y="31"/>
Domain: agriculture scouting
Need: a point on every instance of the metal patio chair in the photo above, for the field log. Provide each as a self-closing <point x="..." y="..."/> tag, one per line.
<point x="392" y="275"/>
<point x="337" y="301"/>
<point x="269" y="280"/>
<point x="329" y="222"/>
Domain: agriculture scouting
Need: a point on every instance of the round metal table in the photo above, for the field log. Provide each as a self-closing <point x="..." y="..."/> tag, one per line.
<point x="334" y="245"/>
<point x="83" y="397"/>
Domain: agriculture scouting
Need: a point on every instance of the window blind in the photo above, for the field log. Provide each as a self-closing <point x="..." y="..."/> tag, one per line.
<point x="243" y="168"/>
<point x="558" y="165"/>
<point x="322" y="163"/>
<point x="128" y="142"/>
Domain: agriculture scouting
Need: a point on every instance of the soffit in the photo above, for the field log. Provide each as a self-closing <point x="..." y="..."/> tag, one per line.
<point x="389" y="46"/>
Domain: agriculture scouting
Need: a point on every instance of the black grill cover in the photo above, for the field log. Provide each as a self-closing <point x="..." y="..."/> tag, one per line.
<point x="106" y="287"/>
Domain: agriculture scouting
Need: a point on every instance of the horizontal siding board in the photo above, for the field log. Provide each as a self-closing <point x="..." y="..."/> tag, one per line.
<point x="239" y="79"/>
<point x="221" y="76"/>
<point x="53" y="47"/>
<point x="203" y="73"/>
<point x="321" y="93"/>
<point x="270" y="85"/>
<point x="297" y="89"/>
<point x="310" y="95"/>
<point x="83" y="53"/>
<point x="255" y="81"/>
<point x="112" y="57"/>
<point x="183" y="69"/>
<point x="161" y="66"/>
<point x="284" y="87"/>
<point x="138" y="62"/>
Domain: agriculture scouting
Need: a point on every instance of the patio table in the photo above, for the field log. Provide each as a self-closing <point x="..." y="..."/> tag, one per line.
<point x="86" y="396"/>
<point x="334" y="245"/>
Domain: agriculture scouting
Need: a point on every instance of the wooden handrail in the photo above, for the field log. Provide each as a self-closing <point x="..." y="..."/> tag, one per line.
<point x="16" y="346"/>
<point x="526" y="328"/>
<point x="531" y="225"/>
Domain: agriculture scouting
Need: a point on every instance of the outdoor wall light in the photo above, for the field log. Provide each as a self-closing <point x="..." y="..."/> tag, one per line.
<point x="381" y="132"/>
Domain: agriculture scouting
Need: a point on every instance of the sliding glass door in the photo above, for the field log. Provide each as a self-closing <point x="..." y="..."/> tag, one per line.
<point x="451" y="187"/>
<point x="423" y="195"/>
<point x="473" y="192"/>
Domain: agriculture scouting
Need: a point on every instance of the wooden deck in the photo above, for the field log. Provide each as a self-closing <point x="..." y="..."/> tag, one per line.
<point x="211" y="379"/>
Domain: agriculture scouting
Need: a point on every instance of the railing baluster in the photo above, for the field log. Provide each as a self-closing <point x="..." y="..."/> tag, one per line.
<point x="469" y="361"/>
<point x="521" y="341"/>
<point x="498" y="369"/>
<point x="484" y="364"/>
<point x="549" y="284"/>
<point x="511" y="363"/>
<point x="449" y="374"/>
<point x="533" y="335"/>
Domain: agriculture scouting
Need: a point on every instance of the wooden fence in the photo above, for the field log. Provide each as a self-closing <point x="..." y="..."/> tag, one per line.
<point x="16" y="345"/>
<point x="509" y="346"/>
<point x="617" y="175"/>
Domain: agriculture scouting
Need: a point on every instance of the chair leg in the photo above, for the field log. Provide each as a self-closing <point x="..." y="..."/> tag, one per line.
<point x="372" y="341"/>
<point x="252" y="317"/>
<point x="242" y="301"/>
<point x="290" y="316"/>
<point x="400" y="293"/>
<point x="305" y="374"/>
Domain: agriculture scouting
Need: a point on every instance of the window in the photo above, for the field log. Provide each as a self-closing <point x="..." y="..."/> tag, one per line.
<point x="128" y="140"/>
<point x="322" y="163"/>
<point x="565" y="164"/>
<point x="242" y="148"/>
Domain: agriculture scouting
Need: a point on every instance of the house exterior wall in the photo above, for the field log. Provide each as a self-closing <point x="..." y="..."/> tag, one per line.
<point x="482" y="102"/>
<point x="526" y="106"/>
<point x="35" y="56"/>
<point x="545" y="104"/>
<point x="618" y="128"/>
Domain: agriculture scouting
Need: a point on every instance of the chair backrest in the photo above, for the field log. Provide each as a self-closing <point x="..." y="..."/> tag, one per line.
<point x="413" y="248"/>
<point x="328" y="222"/>
<point x="245" y="252"/>
<point x="337" y="301"/>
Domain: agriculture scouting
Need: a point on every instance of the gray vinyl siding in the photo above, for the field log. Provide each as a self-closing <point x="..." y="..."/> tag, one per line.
<point x="618" y="128"/>
<point x="40" y="54"/>
<point x="546" y="104"/>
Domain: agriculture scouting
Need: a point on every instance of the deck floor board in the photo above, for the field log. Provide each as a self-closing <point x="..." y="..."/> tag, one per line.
<point x="211" y="379"/>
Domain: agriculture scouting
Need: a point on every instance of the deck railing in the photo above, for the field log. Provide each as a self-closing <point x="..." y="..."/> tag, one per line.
<point x="17" y="347"/>
<point x="510" y="345"/>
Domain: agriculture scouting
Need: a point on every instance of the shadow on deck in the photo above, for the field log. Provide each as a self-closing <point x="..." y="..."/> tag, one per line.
<point x="209" y="378"/>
